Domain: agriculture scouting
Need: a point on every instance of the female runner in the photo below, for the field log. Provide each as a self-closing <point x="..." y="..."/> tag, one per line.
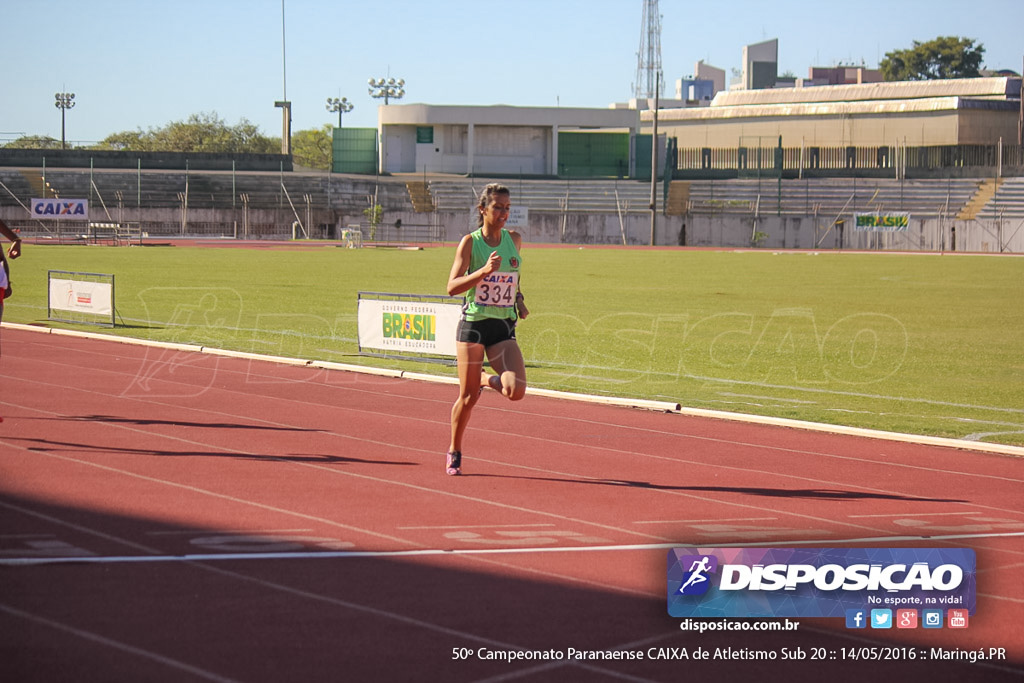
<point x="486" y="269"/>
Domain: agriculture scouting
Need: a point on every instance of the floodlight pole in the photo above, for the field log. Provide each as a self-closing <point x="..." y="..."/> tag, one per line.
<point x="285" y="104"/>
<point x="342" y="106"/>
<point x="64" y="101"/>
<point x="387" y="88"/>
<point x="654" y="158"/>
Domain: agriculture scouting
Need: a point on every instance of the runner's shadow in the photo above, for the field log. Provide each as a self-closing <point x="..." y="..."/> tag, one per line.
<point x="177" y="423"/>
<point x="820" y="494"/>
<point x="51" y="446"/>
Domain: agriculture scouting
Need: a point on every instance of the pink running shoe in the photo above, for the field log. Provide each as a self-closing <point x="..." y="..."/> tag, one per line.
<point x="453" y="463"/>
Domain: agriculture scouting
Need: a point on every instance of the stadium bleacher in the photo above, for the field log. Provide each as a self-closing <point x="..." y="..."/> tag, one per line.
<point x="831" y="197"/>
<point x="556" y="196"/>
<point x="317" y="199"/>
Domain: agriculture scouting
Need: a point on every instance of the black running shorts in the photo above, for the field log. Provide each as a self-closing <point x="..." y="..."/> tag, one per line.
<point x="489" y="331"/>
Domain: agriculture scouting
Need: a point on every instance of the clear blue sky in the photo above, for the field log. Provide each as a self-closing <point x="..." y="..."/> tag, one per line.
<point x="140" y="64"/>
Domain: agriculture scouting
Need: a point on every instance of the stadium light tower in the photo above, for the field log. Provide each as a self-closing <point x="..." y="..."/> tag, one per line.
<point x="648" y="57"/>
<point x="284" y="104"/>
<point x="342" y="106"/>
<point x="386" y="89"/>
<point x="65" y="101"/>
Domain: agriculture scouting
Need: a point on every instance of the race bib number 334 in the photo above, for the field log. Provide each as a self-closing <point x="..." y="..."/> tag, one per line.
<point x="498" y="289"/>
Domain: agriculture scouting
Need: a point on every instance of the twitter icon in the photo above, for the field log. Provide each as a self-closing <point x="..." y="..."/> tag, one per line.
<point x="881" y="618"/>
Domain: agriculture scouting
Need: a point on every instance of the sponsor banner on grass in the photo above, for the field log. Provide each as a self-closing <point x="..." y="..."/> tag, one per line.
<point x="61" y="209"/>
<point x="80" y="296"/>
<point x="404" y="326"/>
<point x="893" y="221"/>
<point x="817" y="582"/>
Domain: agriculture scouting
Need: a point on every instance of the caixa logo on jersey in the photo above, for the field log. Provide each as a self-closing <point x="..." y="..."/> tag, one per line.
<point x="816" y="582"/>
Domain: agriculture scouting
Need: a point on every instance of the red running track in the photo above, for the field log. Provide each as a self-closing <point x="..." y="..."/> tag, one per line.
<point x="216" y="518"/>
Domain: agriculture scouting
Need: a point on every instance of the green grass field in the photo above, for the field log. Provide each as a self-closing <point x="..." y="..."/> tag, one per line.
<point x="923" y="344"/>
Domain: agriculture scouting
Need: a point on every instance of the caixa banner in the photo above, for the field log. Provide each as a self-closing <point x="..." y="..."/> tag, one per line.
<point x="63" y="209"/>
<point x="817" y="582"/>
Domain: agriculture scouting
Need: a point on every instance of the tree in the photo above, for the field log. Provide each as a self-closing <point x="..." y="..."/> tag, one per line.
<point x="374" y="214"/>
<point x="34" y="142"/>
<point x="313" y="148"/>
<point x="943" y="57"/>
<point x="129" y="140"/>
<point x="205" y="132"/>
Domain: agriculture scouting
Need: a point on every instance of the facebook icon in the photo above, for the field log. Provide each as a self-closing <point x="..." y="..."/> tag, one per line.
<point x="856" y="618"/>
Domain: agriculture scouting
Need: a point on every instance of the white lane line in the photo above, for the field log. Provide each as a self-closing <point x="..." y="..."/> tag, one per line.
<point x="489" y="502"/>
<point x="215" y="494"/>
<point x="115" y="644"/>
<point x="21" y="537"/>
<point x="290" y="590"/>
<point x="478" y="526"/>
<point x="1000" y="597"/>
<point x="711" y="414"/>
<point x="364" y="369"/>
<point x="904" y="514"/>
<point x="546" y="471"/>
<point x="381" y="480"/>
<point x="207" y="532"/>
<point x="429" y="552"/>
<point x="717" y="520"/>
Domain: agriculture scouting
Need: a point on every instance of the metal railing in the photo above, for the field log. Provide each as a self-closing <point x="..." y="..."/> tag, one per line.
<point x="895" y="158"/>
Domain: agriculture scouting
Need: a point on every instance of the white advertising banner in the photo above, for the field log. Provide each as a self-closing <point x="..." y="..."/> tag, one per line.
<point x="518" y="218"/>
<point x="61" y="209"/>
<point x="408" y="325"/>
<point x="95" y="298"/>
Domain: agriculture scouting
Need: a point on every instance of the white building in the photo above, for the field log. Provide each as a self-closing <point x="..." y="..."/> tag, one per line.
<point x="500" y="139"/>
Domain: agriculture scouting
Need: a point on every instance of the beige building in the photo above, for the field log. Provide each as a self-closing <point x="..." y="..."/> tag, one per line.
<point x="972" y="111"/>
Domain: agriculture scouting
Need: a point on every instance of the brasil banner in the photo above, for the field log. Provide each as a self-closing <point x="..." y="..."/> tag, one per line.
<point x="894" y="221"/>
<point x="399" y="324"/>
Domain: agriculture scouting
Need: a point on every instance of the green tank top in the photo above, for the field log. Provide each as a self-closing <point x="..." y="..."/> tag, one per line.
<point x="495" y="296"/>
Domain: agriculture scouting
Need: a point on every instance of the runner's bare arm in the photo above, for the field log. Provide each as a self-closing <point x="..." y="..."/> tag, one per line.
<point x="459" y="280"/>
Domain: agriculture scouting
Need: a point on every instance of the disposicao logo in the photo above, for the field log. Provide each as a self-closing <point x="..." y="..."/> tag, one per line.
<point x="696" y="580"/>
<point x="822" y="582"/>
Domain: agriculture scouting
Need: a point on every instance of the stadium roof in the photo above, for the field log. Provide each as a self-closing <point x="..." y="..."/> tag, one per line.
<point x="905" y="97"/>
<point x="989" y="88"/>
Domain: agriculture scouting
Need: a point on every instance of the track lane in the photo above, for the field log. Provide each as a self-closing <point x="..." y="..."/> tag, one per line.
<point x="214" y="454"/>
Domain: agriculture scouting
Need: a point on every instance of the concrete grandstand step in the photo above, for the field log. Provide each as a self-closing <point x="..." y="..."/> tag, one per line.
<point x="1007" y="201"/>
<point x="984" y="192"/>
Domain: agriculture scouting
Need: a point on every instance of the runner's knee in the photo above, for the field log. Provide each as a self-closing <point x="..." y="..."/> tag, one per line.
<point x="513" y="388"/>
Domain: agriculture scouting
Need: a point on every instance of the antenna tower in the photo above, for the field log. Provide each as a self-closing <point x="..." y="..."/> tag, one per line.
<point x="648" y="59"/>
